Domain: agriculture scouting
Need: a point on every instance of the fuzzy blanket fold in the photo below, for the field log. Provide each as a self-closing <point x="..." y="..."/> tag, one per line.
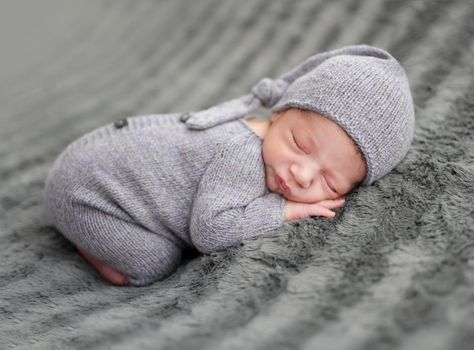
<point x="395" y="270"/>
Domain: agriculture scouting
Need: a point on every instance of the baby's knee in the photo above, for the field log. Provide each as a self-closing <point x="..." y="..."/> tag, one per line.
<point x="142" y="256"/>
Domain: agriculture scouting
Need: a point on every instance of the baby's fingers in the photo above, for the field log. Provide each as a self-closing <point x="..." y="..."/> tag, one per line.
<point x="332" y="203"/>
<point x="318" y="210"/>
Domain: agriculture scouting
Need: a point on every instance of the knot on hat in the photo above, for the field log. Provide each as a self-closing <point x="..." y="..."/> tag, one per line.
<point x="269" y="91"/>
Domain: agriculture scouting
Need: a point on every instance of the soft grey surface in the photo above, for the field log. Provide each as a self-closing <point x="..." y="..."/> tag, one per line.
<point x="394" y="271"/>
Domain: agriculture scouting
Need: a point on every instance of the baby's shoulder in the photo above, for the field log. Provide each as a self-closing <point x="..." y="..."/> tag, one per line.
<point x="243" y="139"/>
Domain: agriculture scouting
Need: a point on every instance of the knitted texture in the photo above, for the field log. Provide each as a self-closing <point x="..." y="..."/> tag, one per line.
<point x="136" y="193"/>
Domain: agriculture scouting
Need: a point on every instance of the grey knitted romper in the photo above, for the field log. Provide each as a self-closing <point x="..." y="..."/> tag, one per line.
<point x="136" y="193"/>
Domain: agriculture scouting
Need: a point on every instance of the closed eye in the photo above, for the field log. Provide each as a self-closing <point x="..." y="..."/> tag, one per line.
<point x="294" y="141"/>
<point x="327" y="183"/>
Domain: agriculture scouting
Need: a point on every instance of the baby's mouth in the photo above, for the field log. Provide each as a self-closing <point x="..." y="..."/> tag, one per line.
<point x="282" y="185"/>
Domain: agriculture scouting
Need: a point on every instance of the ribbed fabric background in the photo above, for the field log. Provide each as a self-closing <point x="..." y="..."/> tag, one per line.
<point x="395" y="270"/>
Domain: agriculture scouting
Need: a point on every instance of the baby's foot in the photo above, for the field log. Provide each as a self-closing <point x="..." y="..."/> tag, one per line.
<point x="107" y="272"/>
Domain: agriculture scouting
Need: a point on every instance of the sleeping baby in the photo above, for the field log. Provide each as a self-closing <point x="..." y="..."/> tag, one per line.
<point x="134" y="194"/>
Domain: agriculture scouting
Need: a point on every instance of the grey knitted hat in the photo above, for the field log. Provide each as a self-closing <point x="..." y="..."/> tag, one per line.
<point x="362" y="88"/>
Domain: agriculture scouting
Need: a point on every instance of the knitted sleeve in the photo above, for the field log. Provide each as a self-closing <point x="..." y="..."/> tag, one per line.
<point x="232" y="202"/>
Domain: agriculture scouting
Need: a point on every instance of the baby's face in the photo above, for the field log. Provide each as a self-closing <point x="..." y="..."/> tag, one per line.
<point x="313" y="155"/>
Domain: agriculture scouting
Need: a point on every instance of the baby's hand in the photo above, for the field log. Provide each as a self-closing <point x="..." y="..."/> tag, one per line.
<point x="297" y="211"/>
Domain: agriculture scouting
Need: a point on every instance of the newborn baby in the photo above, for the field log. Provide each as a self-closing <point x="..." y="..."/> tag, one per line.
<point x="133" y="195"/>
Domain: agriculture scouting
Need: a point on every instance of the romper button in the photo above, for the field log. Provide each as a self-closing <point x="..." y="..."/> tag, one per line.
<point x="121" y="123"/>
<point x="184" y="117"/>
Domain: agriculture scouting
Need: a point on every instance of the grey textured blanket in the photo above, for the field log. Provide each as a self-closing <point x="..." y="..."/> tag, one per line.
<point x="395" y="270"/>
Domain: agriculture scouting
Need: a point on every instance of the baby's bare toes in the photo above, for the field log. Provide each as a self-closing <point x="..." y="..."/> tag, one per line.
<point x="112" y="275"/>
<point x="107" y="272"/>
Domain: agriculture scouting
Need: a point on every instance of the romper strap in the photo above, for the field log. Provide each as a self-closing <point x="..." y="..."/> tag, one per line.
<point x="266" y="92"/>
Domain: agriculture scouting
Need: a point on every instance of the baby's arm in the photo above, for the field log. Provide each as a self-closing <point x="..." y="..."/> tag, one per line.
<point x="232" y="203"/>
